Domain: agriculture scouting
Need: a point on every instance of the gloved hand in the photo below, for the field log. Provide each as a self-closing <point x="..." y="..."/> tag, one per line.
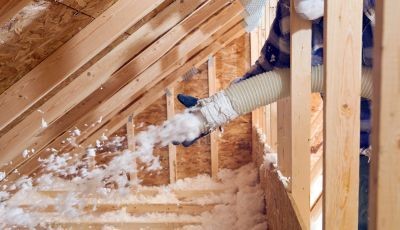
<point x="189" y="102"/>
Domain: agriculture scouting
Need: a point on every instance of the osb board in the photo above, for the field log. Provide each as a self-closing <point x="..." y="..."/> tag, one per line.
<point x="32" y="35"/>
<point x="78" y="111"/>
<point x="195" y="159"/>
<point x="280" y="213"/>
<point x="235" y="142"/>
<point x="155" y="114"/>
<point x="89" y="7"/>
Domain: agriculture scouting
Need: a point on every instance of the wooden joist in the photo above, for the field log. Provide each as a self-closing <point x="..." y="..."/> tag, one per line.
<point x="384" y="190"/>
<point x="131" y="208"/>
<point x="342" y="59"/>
<point x="70" y="57"/>
<point x="182" y="195"/>
<point x="125" y="225"/>
<point x="16" y="140"/>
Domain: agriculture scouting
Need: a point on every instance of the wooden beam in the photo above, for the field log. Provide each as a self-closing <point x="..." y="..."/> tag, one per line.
<point x="71" y="56"/>
<point x="125" y="225"/>
<point x="16" y="140"/>
<point x="130" y="133"/>
<point x="9" y="8"/>
<point x="161" y="68"/>
<point x="143" y="37"/>
<point x="300" y="113"/>
<point x="169" y="81"/>
<point x="283" y="132"/>
<point x="212" y="89"/>
<point x="119" y="120"/>
<point x="182" y="195"/>
<point x="131" y="208"/>
<point x="384" y="190"/>
<point x="170" y="95"/>
<point x="342" y="58"/>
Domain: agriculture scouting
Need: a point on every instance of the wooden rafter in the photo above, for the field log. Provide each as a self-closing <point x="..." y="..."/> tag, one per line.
<point x="31" y="164"/>
<point x="93" y="78"/>
<point x="151" y="76"/>
<point x="71" y="56"/>
<point x="169" y="81"/>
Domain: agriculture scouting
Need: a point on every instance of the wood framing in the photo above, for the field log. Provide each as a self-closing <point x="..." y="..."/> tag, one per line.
<point x="170" y="95"/>
<point x="169" y="81"/>
<point x="88" y="84"/>
<point x="212" y="46"/>
<point x="342" y="58"/>
<point x="130" y="133"/>
<point x="212" y="89"/>
<point x="300" y="113"/>
<point x="71" y="56"/>
<point x="384" y="190"/>
<point x="112" y="61"/>
<point x="160" y="69"/>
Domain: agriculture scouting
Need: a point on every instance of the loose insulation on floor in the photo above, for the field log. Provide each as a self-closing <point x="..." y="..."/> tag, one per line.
<point x="237" y="204"/>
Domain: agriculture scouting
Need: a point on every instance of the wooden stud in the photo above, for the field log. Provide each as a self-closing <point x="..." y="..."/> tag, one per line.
<point x="300" y="113"/>
<point x="130" y="134"/>
<point x="342" y="58"/>
<point x="384" y="192"/>
<point x="125" y="225"/>
<point x="170" y="95"/>
<point x="14" y="141"/>
<point x="212" y="89"/>
<point x="283" y="147"/>
<point x="9" y="8"/>
<point x="71" y="56"/>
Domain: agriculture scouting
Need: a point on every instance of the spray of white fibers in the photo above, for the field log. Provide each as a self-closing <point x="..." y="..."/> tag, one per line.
<point x="184" y="126"/>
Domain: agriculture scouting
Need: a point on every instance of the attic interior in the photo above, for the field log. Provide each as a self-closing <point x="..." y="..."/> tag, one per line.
<point x="84" y="83"/>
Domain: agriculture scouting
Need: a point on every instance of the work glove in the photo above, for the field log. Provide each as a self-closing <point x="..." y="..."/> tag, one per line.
<point x="189" y="102"/>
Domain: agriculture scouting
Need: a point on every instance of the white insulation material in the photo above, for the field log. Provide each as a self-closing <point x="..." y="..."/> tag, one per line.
<point x="240" y="203"/>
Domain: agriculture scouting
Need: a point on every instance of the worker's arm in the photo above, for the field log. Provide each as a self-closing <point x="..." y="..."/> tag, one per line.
<point x="263" y="89"/>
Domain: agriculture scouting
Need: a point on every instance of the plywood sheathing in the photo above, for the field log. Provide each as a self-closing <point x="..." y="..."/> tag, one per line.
<point x="32" y="35"/>
<point x="195" y="159"/>
<point x="70" y="117"/>
<point x="155" y="114"/>
<point x="235" y="142"/>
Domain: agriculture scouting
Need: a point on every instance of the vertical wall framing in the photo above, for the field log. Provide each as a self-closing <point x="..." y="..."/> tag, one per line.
<point x="170" y="95"/>
<point x="212" y="88"/>
<point x="300" y="113"/>
<point x="384" y="211"/>
<point x="130" y="133"/>
<point x="342" y="58"/>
